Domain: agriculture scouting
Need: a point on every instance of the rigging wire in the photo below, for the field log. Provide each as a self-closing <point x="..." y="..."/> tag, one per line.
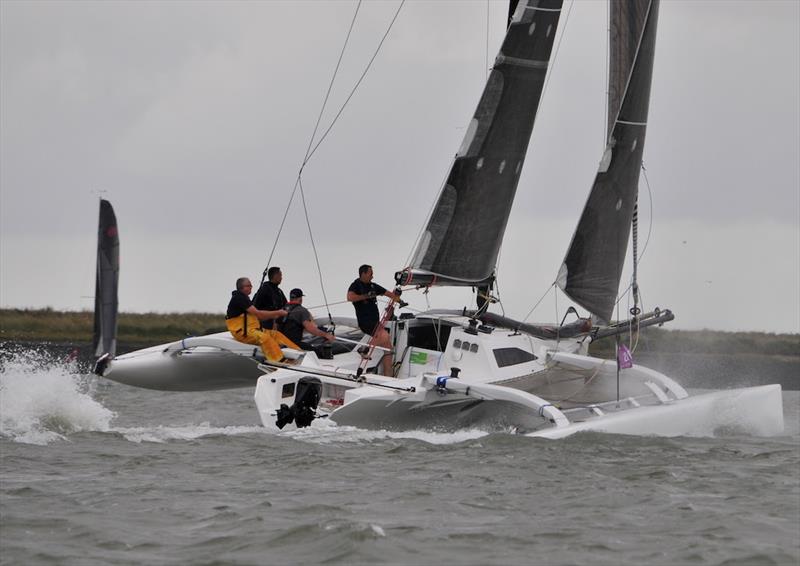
<point x="530" y="312"/>
<point x="316" y="256"/>
<point x="312" y="148"/>
<point x="606" y="126"/>
<point x="358" y="83"/>
<point x="330" y="86"/>
<point x="486" y="53"/>
<point x="554" y="57"/>
<point x="551" y="70"/>
<point x="311" y="140"/>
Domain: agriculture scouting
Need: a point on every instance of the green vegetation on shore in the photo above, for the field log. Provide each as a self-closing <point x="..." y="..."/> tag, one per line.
<point x="141" y="329"/>
<point x="148" y="329"/>
<point x="706" y="342"/>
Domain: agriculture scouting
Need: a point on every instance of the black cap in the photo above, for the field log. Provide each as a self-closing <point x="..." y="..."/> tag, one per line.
<point x="296" y="293"/>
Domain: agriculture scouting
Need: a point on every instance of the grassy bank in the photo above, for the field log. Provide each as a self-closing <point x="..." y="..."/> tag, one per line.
<point x="142" y="329"/>
<point x="707" y="342"/>
<point x="146" y="329"/>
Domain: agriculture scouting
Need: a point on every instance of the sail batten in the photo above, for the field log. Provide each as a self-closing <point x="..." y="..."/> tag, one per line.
<point x="462" y="238"/>
<point x="592" y="268"/>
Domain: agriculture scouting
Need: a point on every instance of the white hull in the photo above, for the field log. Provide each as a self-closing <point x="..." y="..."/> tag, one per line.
<point x="507" y="382"/>
<point x="554" y="395"/>
<point x="752" y="410"/>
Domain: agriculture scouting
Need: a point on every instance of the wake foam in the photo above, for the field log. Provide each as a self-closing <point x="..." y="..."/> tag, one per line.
<point x="166" y="433"/>
<point x="327" y="432"/>
<point x="43" y="399"/>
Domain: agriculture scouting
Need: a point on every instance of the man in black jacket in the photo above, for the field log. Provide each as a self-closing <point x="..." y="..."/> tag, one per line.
<point x="270" y="297"/>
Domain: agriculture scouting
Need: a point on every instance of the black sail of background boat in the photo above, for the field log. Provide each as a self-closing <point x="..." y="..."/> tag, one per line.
<point x="106" y="301"/>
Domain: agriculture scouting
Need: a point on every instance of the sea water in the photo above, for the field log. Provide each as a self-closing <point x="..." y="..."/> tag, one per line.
<point x="93" y="472"/>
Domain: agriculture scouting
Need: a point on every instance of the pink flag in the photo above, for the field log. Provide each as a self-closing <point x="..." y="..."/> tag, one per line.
<point x="624" y="357"/>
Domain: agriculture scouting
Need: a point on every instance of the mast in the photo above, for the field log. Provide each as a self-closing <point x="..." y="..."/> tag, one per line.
<point x="106" y="282"/>
<point x="592" y="268"/>
<point x="462" y="238"/>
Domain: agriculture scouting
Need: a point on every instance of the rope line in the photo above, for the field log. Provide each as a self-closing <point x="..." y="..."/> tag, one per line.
<point x="624" y="293"/>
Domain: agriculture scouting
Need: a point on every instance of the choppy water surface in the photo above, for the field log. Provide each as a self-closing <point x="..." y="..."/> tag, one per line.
<point x="94" y="472"/>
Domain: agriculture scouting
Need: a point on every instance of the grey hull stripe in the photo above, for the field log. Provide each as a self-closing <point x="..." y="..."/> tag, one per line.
<point x="631" y="123"/>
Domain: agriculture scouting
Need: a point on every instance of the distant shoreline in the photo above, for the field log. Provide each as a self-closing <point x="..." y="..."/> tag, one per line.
<point x="48" y="325"/>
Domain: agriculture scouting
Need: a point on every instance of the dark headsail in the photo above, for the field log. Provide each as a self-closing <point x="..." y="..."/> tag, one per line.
<point x="105" y="296"/>
<point x="592" y="268"/>
<point x="460" y="243"/>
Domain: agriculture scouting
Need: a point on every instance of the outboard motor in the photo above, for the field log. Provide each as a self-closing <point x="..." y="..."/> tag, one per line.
<point x="304" y="408"/>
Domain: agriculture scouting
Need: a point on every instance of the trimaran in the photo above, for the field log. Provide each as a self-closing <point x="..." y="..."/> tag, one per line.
<point x="464" y="368"/>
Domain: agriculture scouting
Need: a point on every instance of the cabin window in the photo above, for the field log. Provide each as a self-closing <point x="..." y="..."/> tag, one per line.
<point x="431" y="335"/>
<point x="512" y="356"/>
<point x="287" y="390"/>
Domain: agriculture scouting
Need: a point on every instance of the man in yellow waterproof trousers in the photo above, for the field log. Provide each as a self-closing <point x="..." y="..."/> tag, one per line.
<point x="242" y="320"/>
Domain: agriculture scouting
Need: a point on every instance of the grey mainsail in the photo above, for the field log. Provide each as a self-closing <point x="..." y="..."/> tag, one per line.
<point x="460" y="243"/>
<point x="107" y="280"/>
<point x="592" y="268"/>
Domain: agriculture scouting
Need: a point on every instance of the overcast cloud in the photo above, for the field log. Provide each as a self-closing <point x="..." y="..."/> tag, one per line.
<point x="193" y="118"/>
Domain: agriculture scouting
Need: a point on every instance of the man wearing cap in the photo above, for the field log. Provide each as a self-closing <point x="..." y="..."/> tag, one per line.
<point x="299" y="319"/>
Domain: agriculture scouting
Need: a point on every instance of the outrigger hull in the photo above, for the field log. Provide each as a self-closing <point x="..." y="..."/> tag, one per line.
<point x="752" y="410"/>
<point x="204" y="363"/>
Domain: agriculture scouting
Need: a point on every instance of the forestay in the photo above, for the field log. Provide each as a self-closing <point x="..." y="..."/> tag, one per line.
<point x="461" y="241"/>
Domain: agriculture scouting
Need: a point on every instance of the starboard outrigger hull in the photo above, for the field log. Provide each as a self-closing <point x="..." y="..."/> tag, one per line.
<point x="751" y="410"/>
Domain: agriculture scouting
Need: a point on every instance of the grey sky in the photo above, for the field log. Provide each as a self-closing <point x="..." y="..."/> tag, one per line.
<point x="194" y="117"/>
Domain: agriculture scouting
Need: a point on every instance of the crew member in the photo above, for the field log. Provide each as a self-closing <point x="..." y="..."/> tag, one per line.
<point x="270" y="297"/>
<point x="299" y="319"/>
<point x="362" y="293"/>
<point x="242" y="321"/>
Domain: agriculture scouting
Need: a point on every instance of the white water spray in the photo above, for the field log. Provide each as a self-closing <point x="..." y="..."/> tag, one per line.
<point x="43" y="400"/>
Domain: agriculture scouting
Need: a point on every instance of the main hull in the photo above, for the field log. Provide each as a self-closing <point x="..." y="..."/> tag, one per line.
<point x="652" y="404"/>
